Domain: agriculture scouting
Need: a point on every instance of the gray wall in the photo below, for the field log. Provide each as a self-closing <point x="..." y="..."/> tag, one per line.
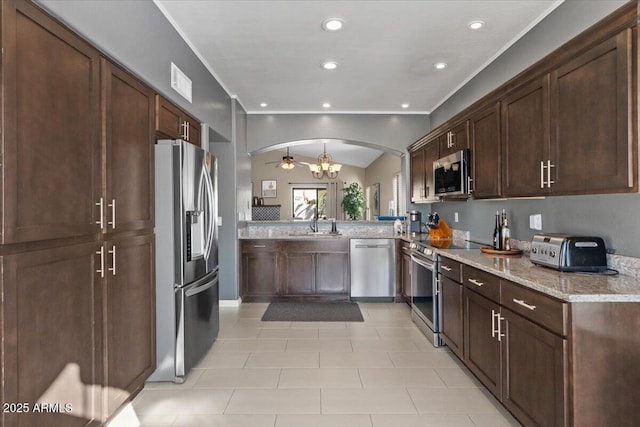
<point x="614" y="217"/>
<point x="395" y="131"/>
<point x="229" y="154"/>
<point x="138" y="36"/>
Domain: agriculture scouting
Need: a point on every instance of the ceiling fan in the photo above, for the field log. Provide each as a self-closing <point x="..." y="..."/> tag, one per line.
<point x="287" y="162"/>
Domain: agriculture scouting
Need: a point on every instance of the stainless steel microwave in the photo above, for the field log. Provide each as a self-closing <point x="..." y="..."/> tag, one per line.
<point x="452" y="174"/>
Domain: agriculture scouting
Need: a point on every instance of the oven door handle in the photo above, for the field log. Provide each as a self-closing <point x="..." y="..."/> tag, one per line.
<point x="421" y="262"/>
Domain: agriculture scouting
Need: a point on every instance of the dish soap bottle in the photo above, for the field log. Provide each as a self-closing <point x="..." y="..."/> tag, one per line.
<point x="505" y="234"/>
<point x="397" y="226"/>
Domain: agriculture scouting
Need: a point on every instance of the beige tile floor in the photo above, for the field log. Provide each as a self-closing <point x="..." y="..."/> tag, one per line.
<point x="378" y="373"/>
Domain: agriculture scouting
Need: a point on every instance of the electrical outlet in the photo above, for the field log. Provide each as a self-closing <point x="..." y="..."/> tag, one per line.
<point x="535" y="222"/>
<point x="455" y="217"/>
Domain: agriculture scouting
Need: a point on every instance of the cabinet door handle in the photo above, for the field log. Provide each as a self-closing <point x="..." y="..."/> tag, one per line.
<point x="445" y="268"/>
<point x="500" y="319"/>
<point x="112" y="269"/>
<point x="183" y="131"/>
<point x="437" y="286"/>
<point x="186" y="128"/>
<point x="101" y="220"/>
<point x="524" y="304"/>
<point x="493" y="323"/>
<point x="542" y="174"/>
<point x="549" y="166"/>
<point x="259" y="246"/>
<point x="112" y="205"/>
<point x="101" y="253"/>
<point x="475" y="282"/>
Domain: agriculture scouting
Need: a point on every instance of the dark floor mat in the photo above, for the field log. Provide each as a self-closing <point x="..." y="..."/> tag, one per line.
<point x="313" y="312"/>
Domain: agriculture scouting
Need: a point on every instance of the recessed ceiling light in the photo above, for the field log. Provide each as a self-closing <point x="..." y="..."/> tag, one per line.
<point x="332" y="24"/>
<point x="329" y="65"/>
<point x="475" y="25"/>
<point x="263" y="104"/>
<point x="440" y="65"/>
<point x="405" y="105"/>
<point x="326" y="105"/>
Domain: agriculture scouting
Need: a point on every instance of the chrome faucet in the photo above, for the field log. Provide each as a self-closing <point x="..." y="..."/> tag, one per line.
<point x="314" y="222"/>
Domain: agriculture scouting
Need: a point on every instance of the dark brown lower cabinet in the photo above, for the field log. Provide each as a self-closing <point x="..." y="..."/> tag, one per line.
<point x="533" y="366"/>
<point x="332" y="273"/>
<point x="260" y="276"/>
<point x="482" y="348"/>
<point x="52" y="330"/>
<point x="452" y="314"/>
<point x="285" y="269"/>
<point x="406" y="271"/>
<point x="129" y="297"/>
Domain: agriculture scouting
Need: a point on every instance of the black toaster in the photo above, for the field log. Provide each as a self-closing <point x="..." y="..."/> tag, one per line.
<point x="569" y="253"/>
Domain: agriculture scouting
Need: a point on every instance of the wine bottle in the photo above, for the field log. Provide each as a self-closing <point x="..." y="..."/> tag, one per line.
<point x="496" y="233"/>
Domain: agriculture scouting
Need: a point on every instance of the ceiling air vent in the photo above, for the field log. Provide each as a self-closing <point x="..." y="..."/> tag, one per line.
<point x="180" y="82"/>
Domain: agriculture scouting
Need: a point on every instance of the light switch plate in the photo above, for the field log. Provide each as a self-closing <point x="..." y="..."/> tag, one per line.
<point x="535" y="222"/>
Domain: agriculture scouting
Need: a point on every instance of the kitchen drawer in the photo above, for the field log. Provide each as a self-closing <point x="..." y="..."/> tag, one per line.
<point x="252" y="246"/>
<point x="332" y="245"/>
<point x="484" y="283"/>
<point x="451" y="269"/>
<point x="546" y="311"/>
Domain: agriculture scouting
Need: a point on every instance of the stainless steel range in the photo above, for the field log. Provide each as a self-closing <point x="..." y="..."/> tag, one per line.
<point x="426" y="300"/>
<point x="425" y="295"/>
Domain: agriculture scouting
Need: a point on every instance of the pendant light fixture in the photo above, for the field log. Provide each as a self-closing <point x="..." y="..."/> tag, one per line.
<point x="325" y="166"/>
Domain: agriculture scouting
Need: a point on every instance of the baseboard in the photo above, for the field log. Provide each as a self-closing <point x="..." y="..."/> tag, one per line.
<point x="230" y="302"/>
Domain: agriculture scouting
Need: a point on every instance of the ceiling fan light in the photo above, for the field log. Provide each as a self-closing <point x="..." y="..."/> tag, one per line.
<point x="287" y="166"/>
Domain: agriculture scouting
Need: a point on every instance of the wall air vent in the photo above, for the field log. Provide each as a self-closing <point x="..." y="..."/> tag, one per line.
<point x="180" y="82"/>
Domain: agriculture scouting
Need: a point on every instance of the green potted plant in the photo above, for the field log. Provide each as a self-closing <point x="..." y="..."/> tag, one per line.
<point x="353" y="200"/>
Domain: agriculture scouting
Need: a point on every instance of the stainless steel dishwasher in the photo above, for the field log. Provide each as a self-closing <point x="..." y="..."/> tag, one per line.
<point x="373" y="268"/>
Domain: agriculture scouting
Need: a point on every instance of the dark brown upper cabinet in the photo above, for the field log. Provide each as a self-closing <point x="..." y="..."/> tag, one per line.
<point x="173" y="123"/>
<point x="567" y="124"/>
<point x="484" y="128"/>
<point x="525" y="138"/>
<point x="51" y="123"/>
<point x="416" y="161"/>
<point x="454" y="140"/>
<point x="591" y="121"/>
<point x="128" y="123"/>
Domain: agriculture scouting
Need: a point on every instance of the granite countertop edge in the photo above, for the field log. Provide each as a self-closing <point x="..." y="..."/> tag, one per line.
<point x="568" y="287"/>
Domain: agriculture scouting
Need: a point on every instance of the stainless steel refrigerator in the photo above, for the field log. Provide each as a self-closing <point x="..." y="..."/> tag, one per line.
<point x="187" y="314"/>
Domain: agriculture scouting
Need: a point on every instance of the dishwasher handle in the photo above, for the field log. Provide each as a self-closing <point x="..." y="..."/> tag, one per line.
<point x="373" y="246"/>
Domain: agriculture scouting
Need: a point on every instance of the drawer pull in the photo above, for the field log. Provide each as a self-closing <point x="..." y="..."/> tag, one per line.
<point x="259" y="246"/>
<point x="524" y="304"/>
<point x="445" y="268"/>
<point x="475" y="282"/>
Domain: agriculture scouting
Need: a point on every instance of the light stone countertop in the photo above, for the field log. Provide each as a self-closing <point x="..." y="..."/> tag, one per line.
<point x="570" y="287"/>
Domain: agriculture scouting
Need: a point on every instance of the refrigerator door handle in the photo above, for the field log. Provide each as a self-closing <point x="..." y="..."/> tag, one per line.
<point x="198" y="289"/>
<point x="210" y="212"/>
